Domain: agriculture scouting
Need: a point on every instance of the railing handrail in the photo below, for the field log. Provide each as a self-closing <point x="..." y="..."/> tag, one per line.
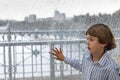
<point x="15" y="43"/>
<point x="46" y="31"/>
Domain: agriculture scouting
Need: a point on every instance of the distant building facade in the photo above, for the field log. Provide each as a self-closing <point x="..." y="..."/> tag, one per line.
<point x="30" y="18"/>
<point x="59" y="16"/>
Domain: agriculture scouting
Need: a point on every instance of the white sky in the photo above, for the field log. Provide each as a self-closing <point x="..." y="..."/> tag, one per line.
<point x="18" y="9"/>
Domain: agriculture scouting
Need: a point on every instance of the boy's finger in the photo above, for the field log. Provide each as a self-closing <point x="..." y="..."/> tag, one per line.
<point x="54" y="50"/>
<point x="60" y="50"/>
<point x="52" y="53"/>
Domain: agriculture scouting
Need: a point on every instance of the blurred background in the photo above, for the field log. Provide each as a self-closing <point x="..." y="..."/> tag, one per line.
<point x="30" y="28"/>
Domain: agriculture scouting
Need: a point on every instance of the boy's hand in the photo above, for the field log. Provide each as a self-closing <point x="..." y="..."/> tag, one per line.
<point x="58" y="55"/>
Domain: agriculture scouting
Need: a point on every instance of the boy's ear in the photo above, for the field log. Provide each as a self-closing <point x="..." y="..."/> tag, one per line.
<point x="105" y="44"/>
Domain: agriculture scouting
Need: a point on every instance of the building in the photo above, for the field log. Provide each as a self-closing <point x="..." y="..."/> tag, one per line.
<point x="30" y="18"/>
<point x="59" y="16"/>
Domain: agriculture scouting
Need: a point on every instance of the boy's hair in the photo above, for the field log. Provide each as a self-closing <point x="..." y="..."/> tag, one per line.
<point x="104" y="35"/>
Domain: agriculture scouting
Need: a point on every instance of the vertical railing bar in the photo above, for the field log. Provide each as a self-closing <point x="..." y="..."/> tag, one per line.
<point x="67" y="52"/>
<point x="9" y="54"/>
<point x="71" y="57"/>
<point x="4" y="62"/>
<point x="23" y="62"/>
<point x="79" y="52"/>
<point x="14" y="60"/>
<point x="61" y="65"/>
<point x="41" y="62"/>
<point x="52" y="69"/>
<point x="32" y="62"/>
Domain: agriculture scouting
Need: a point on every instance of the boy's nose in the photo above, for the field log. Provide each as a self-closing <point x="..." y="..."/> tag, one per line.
<point x="88" y="43"/>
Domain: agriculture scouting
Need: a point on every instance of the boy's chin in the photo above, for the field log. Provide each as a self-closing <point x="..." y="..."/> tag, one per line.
<point x="90" y="52"/>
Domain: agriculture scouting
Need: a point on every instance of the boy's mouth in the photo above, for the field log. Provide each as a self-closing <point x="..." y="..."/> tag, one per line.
<point x="88" y="48"/>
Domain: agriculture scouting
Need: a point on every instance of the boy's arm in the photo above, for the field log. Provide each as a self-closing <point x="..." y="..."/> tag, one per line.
<point x="75" y="63"/>
<point x="114" y="75"/>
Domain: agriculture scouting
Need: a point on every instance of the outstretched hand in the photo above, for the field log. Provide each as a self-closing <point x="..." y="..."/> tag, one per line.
<point x="58" y="55"/>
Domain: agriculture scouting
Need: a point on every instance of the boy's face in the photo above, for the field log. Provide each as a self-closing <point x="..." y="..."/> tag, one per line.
<point x="94" y="46"/>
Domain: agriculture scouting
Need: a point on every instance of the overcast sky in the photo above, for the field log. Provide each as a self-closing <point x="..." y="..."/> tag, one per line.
<point x="18" y="9"/>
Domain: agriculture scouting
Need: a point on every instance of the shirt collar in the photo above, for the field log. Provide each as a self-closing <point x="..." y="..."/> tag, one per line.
<point x="102" y="61"/>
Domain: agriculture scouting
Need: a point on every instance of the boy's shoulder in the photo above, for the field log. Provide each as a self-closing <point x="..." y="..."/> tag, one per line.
<point x="110" y="63"/>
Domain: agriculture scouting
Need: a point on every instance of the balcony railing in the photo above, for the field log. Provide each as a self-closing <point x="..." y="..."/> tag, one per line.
<point x="25" y="56"/>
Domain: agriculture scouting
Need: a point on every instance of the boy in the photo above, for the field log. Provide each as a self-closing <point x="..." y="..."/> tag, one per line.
<point x="96" y="63"/>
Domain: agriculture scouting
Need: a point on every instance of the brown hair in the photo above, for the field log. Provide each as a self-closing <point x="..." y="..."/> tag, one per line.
<point x="104" y="35"/>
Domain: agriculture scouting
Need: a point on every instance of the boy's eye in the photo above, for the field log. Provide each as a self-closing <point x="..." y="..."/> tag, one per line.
<point x="91" y="39"/>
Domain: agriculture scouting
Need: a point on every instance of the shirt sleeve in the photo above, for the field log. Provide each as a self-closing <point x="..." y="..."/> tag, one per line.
<point x="75" y="63"/>
<point x="114" y="75"/>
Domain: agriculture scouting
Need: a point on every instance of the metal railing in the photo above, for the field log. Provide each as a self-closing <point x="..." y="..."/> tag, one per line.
<point x="38" y="57"/>
<point x="29" y="59"/>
